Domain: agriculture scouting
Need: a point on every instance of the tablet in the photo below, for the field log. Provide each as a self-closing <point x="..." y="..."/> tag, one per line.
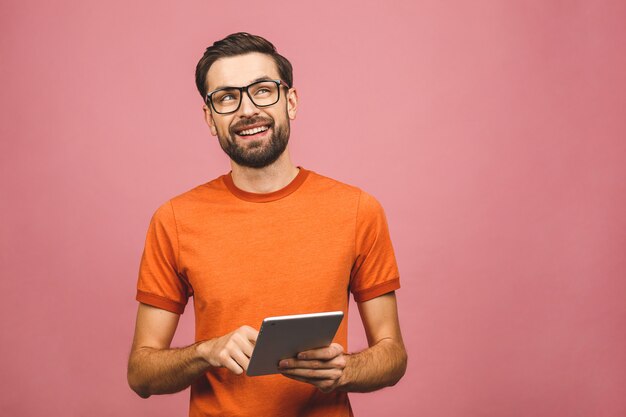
<point x="284" y="337"/>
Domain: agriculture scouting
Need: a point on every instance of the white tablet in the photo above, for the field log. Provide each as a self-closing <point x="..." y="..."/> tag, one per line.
<point x="284" y="337"/>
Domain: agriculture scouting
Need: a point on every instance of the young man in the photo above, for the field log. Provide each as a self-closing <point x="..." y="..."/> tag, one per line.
<point x="267" y="239"/>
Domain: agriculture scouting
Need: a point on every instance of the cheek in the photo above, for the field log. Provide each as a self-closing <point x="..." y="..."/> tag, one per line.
<point x="222" y="129"/>
<point x="223" y="132"/>
<point x="280" y="118"/>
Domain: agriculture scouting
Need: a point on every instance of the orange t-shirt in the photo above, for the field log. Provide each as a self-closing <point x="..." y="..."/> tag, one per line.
<point x="246" y="256"/>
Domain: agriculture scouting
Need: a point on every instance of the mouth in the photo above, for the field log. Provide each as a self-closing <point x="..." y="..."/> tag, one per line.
<point x="255" y="131"/>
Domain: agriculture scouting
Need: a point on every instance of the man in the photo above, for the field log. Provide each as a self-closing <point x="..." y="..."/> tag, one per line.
<point x="267" y="239"/>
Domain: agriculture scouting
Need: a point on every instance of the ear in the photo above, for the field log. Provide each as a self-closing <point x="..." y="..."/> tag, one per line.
<point x="208" y="118"/>
<point x="292" y="103"/>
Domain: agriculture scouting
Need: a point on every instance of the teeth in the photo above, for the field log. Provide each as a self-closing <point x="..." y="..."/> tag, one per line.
<point x="253" y="131"/>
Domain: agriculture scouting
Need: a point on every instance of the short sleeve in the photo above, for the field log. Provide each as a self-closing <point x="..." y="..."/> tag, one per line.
<point x="375" y="271"/>
<point x="160" y="282"/>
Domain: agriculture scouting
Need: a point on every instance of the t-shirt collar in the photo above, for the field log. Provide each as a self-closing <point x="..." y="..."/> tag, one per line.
<point x="266" y="197"/>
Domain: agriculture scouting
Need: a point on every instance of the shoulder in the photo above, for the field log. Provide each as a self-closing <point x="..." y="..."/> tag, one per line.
<point x="209" y="190"/>
<point x="322" y="183"/>
<point x="362" y="201"/>
<point x="190" y="200"/>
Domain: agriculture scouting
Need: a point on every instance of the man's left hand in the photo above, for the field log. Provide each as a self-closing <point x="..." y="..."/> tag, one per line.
<point x="320" y="367"/>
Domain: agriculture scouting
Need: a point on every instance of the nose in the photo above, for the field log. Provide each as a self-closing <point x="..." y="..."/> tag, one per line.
<point x="247" y="107"/>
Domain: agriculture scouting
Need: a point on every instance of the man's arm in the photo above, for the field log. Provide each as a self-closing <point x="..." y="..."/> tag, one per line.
<point x="384" y="362"/>
<point x="154" y="368"/>
<point x="380" y="365"/>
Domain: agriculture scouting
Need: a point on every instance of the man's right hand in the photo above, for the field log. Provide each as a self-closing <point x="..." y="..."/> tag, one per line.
<point x="231" y="351"/>
<point x="155" y="368"/>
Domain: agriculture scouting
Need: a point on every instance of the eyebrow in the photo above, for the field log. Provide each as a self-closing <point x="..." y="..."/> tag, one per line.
<point x="261" y="78"/>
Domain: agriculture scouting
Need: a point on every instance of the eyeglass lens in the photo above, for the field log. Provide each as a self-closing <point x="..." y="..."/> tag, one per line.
<point x="263" y="93"/>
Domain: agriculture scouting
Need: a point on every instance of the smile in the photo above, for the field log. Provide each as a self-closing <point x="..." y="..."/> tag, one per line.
<point x="253" y="131"/>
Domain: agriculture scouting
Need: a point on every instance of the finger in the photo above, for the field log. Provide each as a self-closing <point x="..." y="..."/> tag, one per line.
<point x="244" y="344"/>
<point x="241" y="359"/>
<point x="247" y="349"/>
<point x="334" y="363"/>
<point x="297" y="378"/>
<point x="330" y="352"/>
<point x="303" y="379"/>
<point x="313" y="374"/>
<point x="250" y="333"/>
<point x="233" y="366"/>
<point x="322" y="385"/>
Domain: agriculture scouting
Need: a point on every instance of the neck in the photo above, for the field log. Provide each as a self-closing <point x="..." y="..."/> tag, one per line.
<point x="267" y="179"/>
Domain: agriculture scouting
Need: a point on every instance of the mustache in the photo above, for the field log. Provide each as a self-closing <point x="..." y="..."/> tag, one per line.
<point x="243" y="123"/>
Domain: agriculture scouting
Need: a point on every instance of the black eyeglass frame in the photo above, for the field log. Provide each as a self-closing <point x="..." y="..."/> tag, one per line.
<point x="209" y="100"/>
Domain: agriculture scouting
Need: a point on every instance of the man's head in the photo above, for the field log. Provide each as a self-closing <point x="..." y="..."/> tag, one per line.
<point x="252" y="124"/>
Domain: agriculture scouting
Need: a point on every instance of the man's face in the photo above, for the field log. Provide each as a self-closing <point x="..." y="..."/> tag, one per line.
<point x="271" y="124"/>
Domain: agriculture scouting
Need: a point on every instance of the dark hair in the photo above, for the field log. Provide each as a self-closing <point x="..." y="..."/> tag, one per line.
<point x="240" y="43"/>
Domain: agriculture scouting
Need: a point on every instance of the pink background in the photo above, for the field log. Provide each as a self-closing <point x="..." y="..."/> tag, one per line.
<point x="493" y="133"/>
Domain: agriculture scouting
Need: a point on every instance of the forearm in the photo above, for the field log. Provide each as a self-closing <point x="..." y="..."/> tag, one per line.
<point x="164" y="371"/>
<point x="379" y="366"/>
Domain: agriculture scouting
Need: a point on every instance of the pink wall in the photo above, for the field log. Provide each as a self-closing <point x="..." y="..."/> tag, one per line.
<point x="492" y="132"/>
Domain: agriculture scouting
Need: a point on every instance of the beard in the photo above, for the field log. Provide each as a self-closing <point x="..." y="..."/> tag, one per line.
<point x="255" y="153"/>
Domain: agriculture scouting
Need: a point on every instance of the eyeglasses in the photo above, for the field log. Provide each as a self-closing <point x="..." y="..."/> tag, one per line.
<point x="262" y="93"/>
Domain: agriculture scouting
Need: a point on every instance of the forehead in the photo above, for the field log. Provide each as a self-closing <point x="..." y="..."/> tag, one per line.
<point x="240" y="70"/>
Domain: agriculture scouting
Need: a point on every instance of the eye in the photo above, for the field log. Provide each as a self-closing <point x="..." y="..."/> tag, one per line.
<point x="225" y="98"/>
